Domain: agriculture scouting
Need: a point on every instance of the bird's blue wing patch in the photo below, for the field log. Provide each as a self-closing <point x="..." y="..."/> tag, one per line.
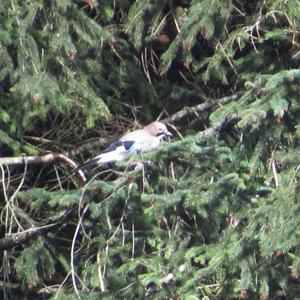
<point x="128" y="145"/>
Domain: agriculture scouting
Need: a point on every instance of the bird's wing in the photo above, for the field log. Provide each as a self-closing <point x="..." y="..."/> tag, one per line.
<point x="133" y="135"/>
<point x="139" y="140"/>
<point x="124" y="145"/>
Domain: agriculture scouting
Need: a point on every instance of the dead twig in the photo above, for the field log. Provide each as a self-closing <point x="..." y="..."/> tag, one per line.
<point x="42" y="159"/>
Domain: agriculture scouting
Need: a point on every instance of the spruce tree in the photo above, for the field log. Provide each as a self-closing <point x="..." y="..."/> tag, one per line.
<point x="213" y="214"/>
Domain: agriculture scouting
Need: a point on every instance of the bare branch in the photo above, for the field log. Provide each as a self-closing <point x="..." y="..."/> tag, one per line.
<point x="42" y="159"/>
<point x="200" y="108"/>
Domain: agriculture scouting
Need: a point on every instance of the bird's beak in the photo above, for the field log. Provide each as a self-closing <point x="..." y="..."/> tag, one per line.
<point x="169" y="135"/>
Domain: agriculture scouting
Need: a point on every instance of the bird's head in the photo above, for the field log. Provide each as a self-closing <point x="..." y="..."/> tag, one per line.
<point x="158" y="129"/>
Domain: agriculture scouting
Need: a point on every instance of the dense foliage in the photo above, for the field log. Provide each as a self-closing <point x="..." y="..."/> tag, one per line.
<point x="213" y="214"/>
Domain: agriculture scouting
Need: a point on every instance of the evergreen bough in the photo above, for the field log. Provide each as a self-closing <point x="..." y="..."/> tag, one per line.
<point x="212" y="215"/>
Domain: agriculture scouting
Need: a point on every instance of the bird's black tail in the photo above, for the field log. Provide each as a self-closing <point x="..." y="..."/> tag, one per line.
<point x="89" y="164"/>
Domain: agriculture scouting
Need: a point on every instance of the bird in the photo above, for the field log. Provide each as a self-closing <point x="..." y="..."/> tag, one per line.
<point x="137" y="141"/>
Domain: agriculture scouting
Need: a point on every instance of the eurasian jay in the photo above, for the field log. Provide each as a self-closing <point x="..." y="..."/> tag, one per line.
<point x="136" y="141"/>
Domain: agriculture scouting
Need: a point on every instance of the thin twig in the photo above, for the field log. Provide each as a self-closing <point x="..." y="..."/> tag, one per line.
<point x="62" y="284"/>
<point x="76" y="234"/>
<point x="101" y="281"/>
<point x="273" y="166"/>
<point x="133" y="242"/>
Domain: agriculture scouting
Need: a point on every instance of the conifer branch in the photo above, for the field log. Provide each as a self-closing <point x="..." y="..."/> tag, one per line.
<point x="19" y="238"/>
<point x="187" y="111"/>
<point x="9" y="285"/>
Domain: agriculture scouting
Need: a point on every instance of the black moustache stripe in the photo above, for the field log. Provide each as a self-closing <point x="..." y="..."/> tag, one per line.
<point x="160" y="134"/>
